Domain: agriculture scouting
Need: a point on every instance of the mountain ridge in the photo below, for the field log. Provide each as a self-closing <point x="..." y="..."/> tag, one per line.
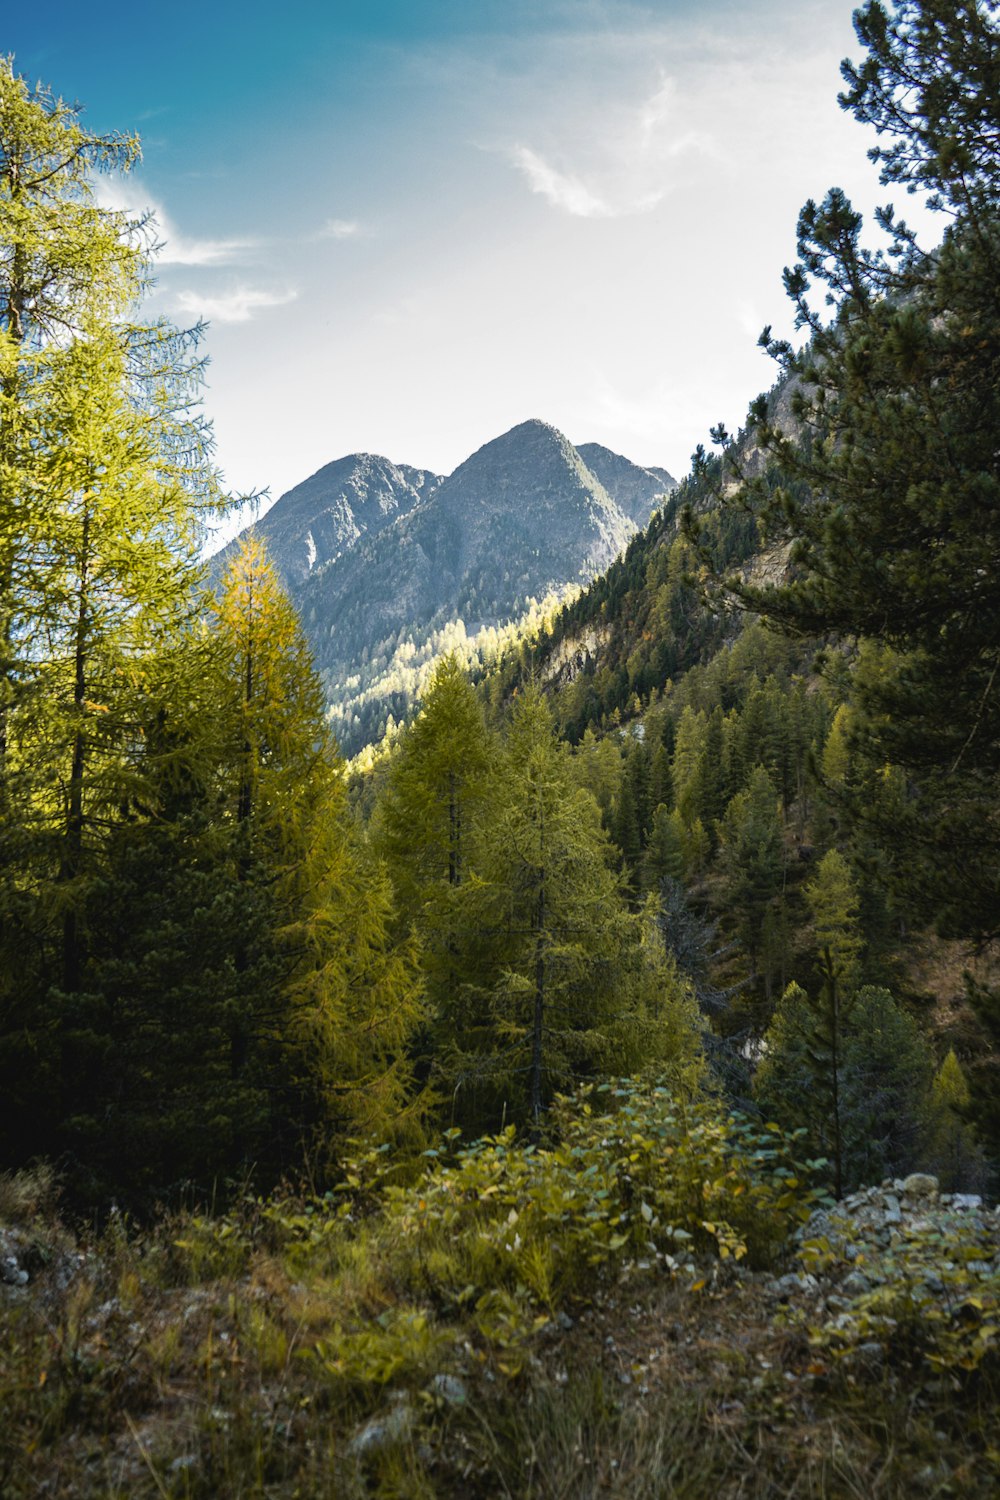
<point x="382" y="559"/>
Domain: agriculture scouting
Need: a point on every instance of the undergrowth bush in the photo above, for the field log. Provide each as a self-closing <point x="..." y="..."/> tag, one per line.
<point x="502" y="1233"/>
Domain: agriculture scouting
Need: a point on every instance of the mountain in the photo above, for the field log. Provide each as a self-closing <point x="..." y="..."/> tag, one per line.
<point x="389" y="566"/>
<point x="643" y="624"/>
<point x="636" y="491"/>
<point x="315" y="522"/>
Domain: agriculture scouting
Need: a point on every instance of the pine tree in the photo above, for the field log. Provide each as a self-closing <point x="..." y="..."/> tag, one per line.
<point x="890" y="488"/>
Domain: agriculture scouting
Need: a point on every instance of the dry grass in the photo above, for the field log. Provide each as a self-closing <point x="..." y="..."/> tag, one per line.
<point x="211" y="1359"/>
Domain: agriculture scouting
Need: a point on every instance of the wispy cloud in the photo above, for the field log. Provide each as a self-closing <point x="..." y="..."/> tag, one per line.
<point x="340" y="229"/>
<point x="561" y="188"/>
<point x="172" y="247"/>
<point x="239" y="305"/>
<point x="628" y="160"/>
<point x="179" y="250"/>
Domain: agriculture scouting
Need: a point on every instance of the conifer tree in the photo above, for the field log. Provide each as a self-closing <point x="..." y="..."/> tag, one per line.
<point x="104" y="480"/>
<point x="954" y="1155"/>
<point x="890" y="487"/>
<point x="833" y="903"/>
<point x="854" y="1071"/>
<point x="577" y="984"/>
<point x="69" y="270"/>
<point x="425" y="826"/>
<point x="346" y="1002"/>
<point x="664" y="856"/>
<point x="752" y="858"/>
<point x="435" y="788"/>
<point x="836" y="758"/>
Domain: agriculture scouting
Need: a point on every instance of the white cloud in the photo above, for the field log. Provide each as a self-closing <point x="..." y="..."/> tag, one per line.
<point x="174" y="248"/>
<point x="339" y="229"/>
<point x="629" y="158"/>
<point x="561" y="189"/>
<point x="179" y="250"/>
<point x="656" y="110"/>
<point x="236" y="306"/>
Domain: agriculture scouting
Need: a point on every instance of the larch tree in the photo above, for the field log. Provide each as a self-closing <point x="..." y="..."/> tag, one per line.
<point x="105" y="481"/>
<point x="833" y="903"/>
<point x="64" y="263"/>
<point x="425" y="826"/>
<point x="334" y="1021"/>
<point x="576" y="984"/>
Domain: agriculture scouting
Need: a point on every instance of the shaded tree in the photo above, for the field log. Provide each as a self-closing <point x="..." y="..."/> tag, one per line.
<point x="889" y="485"/>
<point x="853" y="1070"/>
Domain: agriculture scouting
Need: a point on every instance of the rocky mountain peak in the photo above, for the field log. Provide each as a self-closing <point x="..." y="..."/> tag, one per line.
<point x="313" y="523"/>
<point x="636" y="490"/>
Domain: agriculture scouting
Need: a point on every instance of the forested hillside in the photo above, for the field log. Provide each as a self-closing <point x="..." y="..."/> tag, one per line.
<point x="596" y="1092"/>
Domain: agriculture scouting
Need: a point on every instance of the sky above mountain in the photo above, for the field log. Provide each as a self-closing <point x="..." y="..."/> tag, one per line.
<point x="413" y="225"/>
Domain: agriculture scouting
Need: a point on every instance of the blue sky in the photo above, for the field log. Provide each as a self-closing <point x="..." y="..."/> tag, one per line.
<point x="413" y="225"/>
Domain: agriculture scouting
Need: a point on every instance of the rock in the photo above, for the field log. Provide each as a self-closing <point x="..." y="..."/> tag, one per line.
<point x="450" y="1389"/>
<point x="893" y="1215"/>
<point x="856" y="1284"/>
<point x="11" y="1273"/>
<point x="920" y="1185"/>
<point x="66" y="1269"/>
<point x="793" y="1285"/>
<point x="382" y="1431"/>
<point x="966" y="1201"/>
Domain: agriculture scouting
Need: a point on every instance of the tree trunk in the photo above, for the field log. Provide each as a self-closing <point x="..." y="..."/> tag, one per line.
<point x="539" y="1015"/>
<point x="73" y="844"/>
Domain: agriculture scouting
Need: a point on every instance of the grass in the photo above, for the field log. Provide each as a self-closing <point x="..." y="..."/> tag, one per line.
<point x="505" y="1322"/>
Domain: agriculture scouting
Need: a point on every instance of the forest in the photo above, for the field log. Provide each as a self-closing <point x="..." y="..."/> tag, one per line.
<point x="641" y="952"/>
